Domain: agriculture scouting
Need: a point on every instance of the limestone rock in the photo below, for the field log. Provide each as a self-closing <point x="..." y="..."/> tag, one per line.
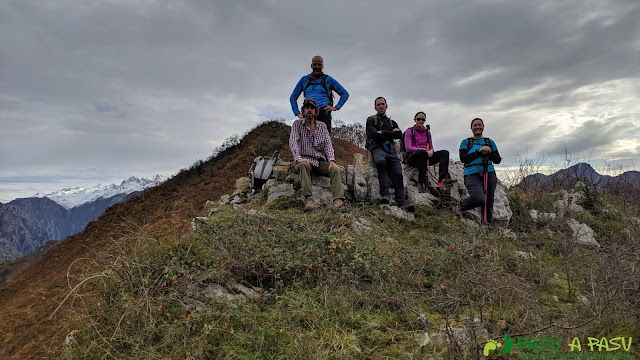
<point x="280" y="190"/>
<point x="281" y="170"/>
<point x="525" y="254"/>
<point x="398" y="213"/>
<point x="224" y="199"/>
<point x="582" y="234"/>
<point x="568" y="201"/>
<point x="540" y="217"/>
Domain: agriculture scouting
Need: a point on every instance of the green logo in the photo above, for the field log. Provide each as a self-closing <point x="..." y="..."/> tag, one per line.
<point x="493" y="345"/>
<point x="549" y="347"/>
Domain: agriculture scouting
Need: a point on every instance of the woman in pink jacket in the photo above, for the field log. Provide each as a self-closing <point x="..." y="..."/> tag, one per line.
<point x="419" y="148"/>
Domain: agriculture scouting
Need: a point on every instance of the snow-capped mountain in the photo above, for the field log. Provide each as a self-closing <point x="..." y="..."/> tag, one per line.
<point x="73" y="197"/>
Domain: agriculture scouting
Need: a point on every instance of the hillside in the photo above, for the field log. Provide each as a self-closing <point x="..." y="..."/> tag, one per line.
<point x="29" y="298"/>
<point x="28" y="223"/>
<point x="161" y="276"/>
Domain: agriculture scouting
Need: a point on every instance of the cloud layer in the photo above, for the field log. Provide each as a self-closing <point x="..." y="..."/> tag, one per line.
<point x="95" y="92"/>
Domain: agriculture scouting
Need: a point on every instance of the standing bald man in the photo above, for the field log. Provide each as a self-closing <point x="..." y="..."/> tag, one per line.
<point x="319" y="87"/>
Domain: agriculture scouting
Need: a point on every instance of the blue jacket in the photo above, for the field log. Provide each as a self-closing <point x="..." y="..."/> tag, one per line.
<point x="316" y="92"/>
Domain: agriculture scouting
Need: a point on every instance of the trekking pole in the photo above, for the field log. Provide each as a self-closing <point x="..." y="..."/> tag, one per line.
<point x="428" y="148"/>
<point x="485" y="175"/>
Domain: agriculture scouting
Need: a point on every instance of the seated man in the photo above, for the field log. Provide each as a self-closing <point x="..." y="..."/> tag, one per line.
<point x="381" y="132"/>
<point x="312" y="152"/>
<point x="417" y="142"/>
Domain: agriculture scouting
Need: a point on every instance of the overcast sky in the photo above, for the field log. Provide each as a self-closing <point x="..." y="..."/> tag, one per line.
<point x="93" y="92"/>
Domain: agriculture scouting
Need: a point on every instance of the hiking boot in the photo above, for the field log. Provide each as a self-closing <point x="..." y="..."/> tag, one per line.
<point x="337" y="205"/>
<point x="386" y="199"/>
<point x="423" y="188"/>
<point x="406" y="206"/>
<point x="309" y="204"/>
<point x="447" y="181"/>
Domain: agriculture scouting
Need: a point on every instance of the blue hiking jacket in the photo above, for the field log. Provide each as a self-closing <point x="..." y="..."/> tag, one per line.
<point x="316" y="92"/>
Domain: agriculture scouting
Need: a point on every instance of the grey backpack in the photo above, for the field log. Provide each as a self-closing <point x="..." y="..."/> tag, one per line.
<point x="261" y="170"/>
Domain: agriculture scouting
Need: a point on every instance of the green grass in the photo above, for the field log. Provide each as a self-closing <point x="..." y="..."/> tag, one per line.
<point x="330" y="290"/>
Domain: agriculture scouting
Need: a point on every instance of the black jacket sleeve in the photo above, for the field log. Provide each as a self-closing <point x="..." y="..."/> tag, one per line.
<point x="494" y="156"/>
<point x="372" y="132"/>
<point x="390" y="134"/>
<point x="467" y="158"/>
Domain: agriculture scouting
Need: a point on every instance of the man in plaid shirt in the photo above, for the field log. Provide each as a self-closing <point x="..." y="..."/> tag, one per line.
<point x="312" y="152"/>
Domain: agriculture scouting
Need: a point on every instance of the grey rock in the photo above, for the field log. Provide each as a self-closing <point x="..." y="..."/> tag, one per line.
<point x="525" y="254"/>
<point x="582" y="233"/>
<point x="398" y="213"/>
<point x="224" y="199"/>
<point x="467" y="336"/>
<point x="280" y="190"/>
<point x="540" y="217"/>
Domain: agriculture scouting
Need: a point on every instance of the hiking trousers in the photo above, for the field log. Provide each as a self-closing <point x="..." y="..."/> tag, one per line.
<point x="305" y="170"/>
<point x="325" y="117"/>
<point x="419" y="159"/>
<point x="475" y="187"/>
<point x="385" y="161"/>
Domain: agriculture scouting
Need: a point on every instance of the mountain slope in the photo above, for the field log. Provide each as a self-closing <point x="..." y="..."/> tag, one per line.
<point x="26" y="224"/>
<point x="28" y="299"/>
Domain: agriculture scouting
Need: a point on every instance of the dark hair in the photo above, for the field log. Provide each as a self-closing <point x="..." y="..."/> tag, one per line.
<point x="419" y="112"/>
<point x="376" y="100"/>
<point x="477" y="119"/>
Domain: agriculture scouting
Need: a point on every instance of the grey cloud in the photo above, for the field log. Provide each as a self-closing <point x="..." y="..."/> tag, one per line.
<point x="126" y="85"/>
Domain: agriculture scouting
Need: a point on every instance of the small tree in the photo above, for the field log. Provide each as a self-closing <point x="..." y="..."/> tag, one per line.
<point x="354" y="133"/>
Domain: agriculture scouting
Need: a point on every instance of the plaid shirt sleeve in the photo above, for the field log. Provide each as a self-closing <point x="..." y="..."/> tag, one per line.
<point x="294" y="140"/>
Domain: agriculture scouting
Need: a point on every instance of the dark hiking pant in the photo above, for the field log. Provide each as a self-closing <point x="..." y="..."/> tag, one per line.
<point x="325" y="117"/>
<point x="389" y="163"/>
<point x="475" y="187"/>
<point x="419" y="159"/>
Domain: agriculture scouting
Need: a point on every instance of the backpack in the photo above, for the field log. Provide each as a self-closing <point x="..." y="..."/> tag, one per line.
<point x="261" y="170"/>
<point x="470" y="142"/>
<point x="324" y="86"/>
<point x="403" y="148"/>
<point x="371" y="144"/>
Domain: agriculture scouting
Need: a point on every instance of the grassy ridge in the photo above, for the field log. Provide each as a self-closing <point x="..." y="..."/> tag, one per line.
<point x="358" y="285"/>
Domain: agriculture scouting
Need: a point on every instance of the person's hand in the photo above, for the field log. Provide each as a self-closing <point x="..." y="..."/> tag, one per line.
<point x="332" y="164"/>
<point x="485" y="149"/>
<point x="379" y="131"/>
<point x="304" y="160"/>
<point x="330" y="108"/>
<point x="396" y="129"/>
<point x="300" y="116"/>
<point x="430" y="152"/>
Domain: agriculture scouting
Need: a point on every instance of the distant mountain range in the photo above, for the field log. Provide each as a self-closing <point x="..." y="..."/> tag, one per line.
<point x="27" y="223"/>
<point x="73" y="197"/>
<point x="583" y="172"/>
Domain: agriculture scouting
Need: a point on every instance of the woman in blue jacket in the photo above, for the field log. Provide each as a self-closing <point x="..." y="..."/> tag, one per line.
<point x="478" y="155"/>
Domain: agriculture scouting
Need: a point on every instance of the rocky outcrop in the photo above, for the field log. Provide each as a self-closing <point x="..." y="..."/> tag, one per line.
<point x="361" y="180"/>
<point x="569" y="201"/>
